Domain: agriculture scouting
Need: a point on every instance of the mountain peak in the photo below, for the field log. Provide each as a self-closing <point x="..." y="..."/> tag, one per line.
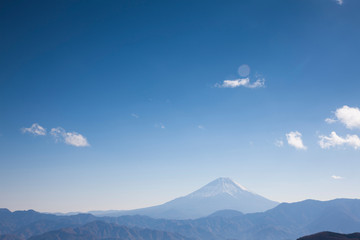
<point x="222" y="193"/>
<point x="225" y="181"/>
<point x="219" y="186"/>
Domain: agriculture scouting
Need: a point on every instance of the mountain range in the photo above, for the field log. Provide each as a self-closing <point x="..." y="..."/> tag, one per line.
<point x="285" y="221"/>
<point x="107" y="231"/>
<point x="221" y="210"/>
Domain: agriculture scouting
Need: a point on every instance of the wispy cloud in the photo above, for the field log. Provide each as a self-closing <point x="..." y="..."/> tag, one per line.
<point x="349" y="116"/>
<point x="241" y="82"/>
<point x="35" y="129"/>
<point x="334" y="140"/>
<point x="135" y="115"/>
<point x="201" y="127"/>
<point x="70" y="138"/>
<point x="160" y="125"/>
<point x="340" y="2"/>
<point x="330" y="120"/>
<point x="279" y="143"/>
<point x="336" y="177"/>
<point x="294" y="139"/>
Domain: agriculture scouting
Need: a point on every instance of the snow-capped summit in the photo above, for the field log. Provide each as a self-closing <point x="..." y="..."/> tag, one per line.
<point x="220" y="194"/>
<point x="219" y="186"/>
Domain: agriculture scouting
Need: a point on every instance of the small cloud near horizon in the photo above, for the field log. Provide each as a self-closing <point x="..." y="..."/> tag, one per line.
<point x="294" y="139"/>
<point x="135" y="115"/>
<point x="336" y="177"/>
<point x="35" y="129"/>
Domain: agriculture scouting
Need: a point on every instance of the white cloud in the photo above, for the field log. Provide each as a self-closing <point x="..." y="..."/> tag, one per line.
<point x="340" y="2"/>
<point x="241" y="82"/>
<point x="70" y="138"/>
<point x="279" y="143"/>
<point x="330" y="120"/>
<point x="349" y="116"/>
<point x="35" y="129"/>
<point x="336" y="177"/>
<point x="201" y="127"/>
<point x="294" y="139"/>
<point x="334" y="140"/>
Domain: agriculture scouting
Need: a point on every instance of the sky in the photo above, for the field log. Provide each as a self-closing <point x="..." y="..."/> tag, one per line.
<point x="128" y="104"/>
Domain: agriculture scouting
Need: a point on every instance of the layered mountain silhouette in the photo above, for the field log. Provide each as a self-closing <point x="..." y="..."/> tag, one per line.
<point x="284" y="222"/>
<point x="107" y="231"/>
<point x="23" y="224"/>
<point x="331" y="236"/>
<point x="220" y="194"/>
<point x="10" y="237"/>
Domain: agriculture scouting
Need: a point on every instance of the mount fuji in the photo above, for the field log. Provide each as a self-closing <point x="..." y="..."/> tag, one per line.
<point x="220" y="194"/>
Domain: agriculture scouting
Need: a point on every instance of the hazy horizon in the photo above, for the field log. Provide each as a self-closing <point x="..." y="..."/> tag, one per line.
<point x="167" y="200"/>
<point x="121" y="105"/>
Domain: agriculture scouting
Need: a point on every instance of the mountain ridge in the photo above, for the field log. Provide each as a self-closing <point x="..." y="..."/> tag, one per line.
<point x="285" y="221"/>
<point x="331" y="236"/>
<point x="99" y="230"/>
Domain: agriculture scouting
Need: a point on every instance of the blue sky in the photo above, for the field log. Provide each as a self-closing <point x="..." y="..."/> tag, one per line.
<point x="138" y="102"/>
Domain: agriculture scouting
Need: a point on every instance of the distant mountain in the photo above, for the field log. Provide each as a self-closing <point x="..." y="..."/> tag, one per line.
<point x="10" y="237"/>
<point x="226" y="213"/>
<point x="107" y="231"/>
<point x="24" y="224"/>
<point x="331" y="236"/>
<point x="284" y="222"/>
<point x="222" y="193"/>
